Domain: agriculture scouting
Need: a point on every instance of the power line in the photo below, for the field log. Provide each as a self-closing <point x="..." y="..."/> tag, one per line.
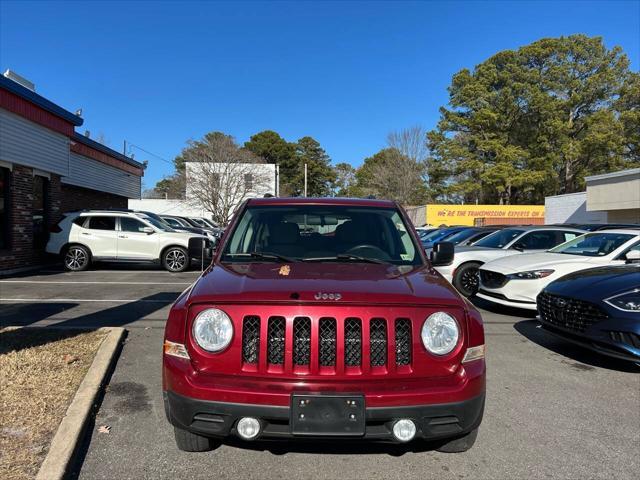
<point x="131" y="145"/>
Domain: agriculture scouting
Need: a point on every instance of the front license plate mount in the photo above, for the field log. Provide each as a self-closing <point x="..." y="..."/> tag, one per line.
<point x="327" y="415"/>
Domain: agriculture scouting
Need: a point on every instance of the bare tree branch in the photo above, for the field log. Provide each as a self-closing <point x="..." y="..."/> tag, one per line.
<point x="220" y="175"/>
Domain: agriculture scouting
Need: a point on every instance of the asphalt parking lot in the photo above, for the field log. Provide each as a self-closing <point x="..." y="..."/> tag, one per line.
<point x="553" y="410"/>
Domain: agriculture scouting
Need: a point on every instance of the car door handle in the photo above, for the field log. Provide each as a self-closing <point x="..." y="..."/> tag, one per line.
<point x="86" y="233"/>
<point x="122" y="236"/>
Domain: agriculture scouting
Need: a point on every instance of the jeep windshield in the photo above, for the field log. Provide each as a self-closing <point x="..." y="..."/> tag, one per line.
<point x="321" y="233"/>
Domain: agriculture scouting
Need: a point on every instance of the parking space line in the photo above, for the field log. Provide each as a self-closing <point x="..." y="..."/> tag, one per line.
<point x="94" y="283"/>
<point x="83" y="300"/>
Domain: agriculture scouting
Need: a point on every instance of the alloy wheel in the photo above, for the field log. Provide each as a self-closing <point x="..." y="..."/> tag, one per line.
<point x="469" y="280"/>
<point x="75" y="259"/>
<point x="176" y="260"/>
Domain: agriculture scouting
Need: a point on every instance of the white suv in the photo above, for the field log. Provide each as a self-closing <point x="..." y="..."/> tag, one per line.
<point x="117" y="236"/>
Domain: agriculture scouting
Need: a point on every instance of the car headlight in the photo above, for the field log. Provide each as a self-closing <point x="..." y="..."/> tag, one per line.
<point x="440" y="333"/>
<point x="212" y="330"/>
<point x="530" y="275"/>
<point x="628" y="301"/>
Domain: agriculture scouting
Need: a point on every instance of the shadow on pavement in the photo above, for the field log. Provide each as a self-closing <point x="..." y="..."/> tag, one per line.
<point x="333" y="447"/>
<point x="117" y="316"/>
<point x="25" y="314"/>
<point x="502" y="309"/>
<point x="587" y="358"/>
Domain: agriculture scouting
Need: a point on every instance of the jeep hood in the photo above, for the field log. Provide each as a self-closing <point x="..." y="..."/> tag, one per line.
<point x="300" y="282"/>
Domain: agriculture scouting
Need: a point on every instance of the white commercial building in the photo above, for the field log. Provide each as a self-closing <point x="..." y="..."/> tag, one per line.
<point x="609" y="198"/>
<point x="252" y="180"/>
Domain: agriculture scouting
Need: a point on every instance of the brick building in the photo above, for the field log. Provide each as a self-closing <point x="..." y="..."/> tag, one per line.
<point x="46" y="168"/>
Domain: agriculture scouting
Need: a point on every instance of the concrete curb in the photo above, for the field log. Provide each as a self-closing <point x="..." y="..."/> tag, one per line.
<point x="73" y="425"/>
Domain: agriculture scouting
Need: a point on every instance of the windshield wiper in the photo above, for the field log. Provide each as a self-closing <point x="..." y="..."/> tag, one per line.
<point x="262" y="256"/>
<point x="346" y="256"/>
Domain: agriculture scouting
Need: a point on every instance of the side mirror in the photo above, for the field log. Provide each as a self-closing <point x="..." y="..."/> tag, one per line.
<point x="518" y="246"/>
<point x="148" y="230"/>
<point x="632" y="256"/>
<point x="442" y="254"/>
<point x="200" y="248"/>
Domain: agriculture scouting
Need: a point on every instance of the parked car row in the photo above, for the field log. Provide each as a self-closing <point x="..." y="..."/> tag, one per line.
<point x="584" y="280"/>
<point x="122" y="236"/>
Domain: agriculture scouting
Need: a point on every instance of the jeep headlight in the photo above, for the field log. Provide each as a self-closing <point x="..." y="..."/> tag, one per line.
<point x="440" y="333"/>
<point x="530" y="275"/>
<point x="628" y="301"/>
<point x="212" y="330"/>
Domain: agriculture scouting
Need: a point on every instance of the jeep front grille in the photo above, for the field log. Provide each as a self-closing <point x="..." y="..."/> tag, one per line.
<point x="275" y="341"/>
<point x="250" y="339"/>
<point x="378" y="342"/>
<point x="403" y="341"/>
<point x="314" y="345"/>
<point x="328" y="334"/>
<point x="352" y="342"/>
<point x="301" y="341"/>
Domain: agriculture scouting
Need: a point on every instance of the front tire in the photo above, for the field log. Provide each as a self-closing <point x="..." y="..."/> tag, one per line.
<point x="460" y="444"/>
<point x="175" y="259"/>
<point x="190" y="442"/>
<point x="77" y="258"/>
<point x="466" y="279"/>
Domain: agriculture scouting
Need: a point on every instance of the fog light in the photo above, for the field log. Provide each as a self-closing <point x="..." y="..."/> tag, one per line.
<point x="404" y="430"/>
<point x="248" y="428"/>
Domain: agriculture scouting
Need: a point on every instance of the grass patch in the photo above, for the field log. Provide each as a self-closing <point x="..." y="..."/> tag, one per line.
<point x="40" y="371"/>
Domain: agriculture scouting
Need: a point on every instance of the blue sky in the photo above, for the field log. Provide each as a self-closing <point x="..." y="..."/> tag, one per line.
<point x="346" y="73"/>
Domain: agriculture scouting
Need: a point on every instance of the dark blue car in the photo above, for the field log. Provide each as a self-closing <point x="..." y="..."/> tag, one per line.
<point x="460" y="235"/>
<point x="597" y="308"/>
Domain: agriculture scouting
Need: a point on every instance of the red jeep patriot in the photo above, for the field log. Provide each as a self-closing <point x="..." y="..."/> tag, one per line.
<point x="322" y="318"/>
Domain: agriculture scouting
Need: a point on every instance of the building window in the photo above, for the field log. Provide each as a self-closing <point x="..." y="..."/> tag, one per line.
<point x="39" y="208"/>
<point x="5" y="227"/>
<point x="248" y="181"/>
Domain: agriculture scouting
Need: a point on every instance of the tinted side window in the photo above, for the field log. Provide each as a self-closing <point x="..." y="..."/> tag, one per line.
<point x="80" y="221"/>
<point x="131" y="225"/>
<point x="102" y="223"/>
<point x="538" y="240"/>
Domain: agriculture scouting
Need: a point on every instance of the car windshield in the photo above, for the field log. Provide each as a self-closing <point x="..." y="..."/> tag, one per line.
<point x="319" y="233"/>
<point x="199" y="222"/>
<point x="595" y="244"/>
<point x="436" y="235"/>
<point x="209" y="223"/>
<point x="499" y="239"/>
<point x="462" y="235"/>
<point x="159" y="225"/>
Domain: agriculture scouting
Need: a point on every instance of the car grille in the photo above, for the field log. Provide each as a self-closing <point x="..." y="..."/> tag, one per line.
<point x="491" y="279"/>
<point x="568" y="313"/>
<point x="307" y="351"/>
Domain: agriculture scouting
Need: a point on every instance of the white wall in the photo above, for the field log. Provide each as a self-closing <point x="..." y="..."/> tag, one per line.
<point x="168" y="207"/>
<point x="266" y="172"/>
<point x="571" y="208"/>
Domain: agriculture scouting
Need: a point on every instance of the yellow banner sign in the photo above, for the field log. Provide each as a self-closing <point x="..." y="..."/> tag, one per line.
<point x="466" y="214"/>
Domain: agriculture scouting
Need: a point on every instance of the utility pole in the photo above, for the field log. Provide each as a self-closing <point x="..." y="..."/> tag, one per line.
<point x="305" y="179"/>
<point x="277" y="180"/>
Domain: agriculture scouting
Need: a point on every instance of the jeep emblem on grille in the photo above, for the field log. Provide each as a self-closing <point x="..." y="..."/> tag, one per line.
<point x="327" y="296"/>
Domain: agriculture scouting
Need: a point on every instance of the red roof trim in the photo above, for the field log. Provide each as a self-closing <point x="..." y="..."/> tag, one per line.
<point x="15" y="104"/>
<point x="87" y="151"/>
